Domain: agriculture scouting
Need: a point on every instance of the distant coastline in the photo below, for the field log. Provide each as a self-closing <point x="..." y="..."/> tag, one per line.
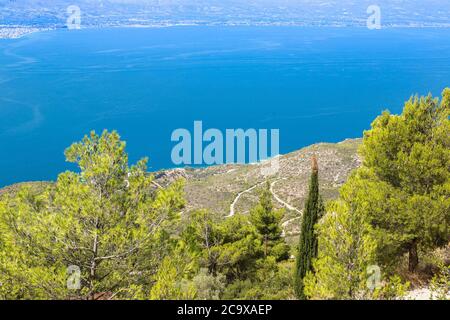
<point x="30" y="16"/>
<point x="19" y="31"/>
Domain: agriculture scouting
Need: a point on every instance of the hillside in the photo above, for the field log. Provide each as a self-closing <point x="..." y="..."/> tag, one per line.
<point x="36" y="186"/>
<point x="229" y="189"/>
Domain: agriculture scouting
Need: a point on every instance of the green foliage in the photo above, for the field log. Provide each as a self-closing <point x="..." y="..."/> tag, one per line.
<point x="241" y="252"/>
<point x="440" y="284"/>
<point x="230" y="247"/>
<point x="124" y="233"/>
<point x="273" y="281"/>
<point x="397" y="202"/>
<point x="307" y="249"/>
<point x="346" y="250"/>
<point x="101" y="220"/>
<point x="209" y="287"/>
<point x="406" y="169"/>
<point x="24" y="271"/>
<point x="393" y="289"/>
<point x="265" y="219"/>
<point x="267" y="222"/>
<point x="168" y="283"/>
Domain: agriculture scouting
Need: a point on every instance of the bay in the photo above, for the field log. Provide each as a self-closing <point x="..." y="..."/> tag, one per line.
<point x="314" y="84"/>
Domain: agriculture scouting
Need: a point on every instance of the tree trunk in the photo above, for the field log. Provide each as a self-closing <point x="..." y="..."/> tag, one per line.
<point x="93" y="269"/>
<point x="265" y="245"/>
<point x="413" y="257"/>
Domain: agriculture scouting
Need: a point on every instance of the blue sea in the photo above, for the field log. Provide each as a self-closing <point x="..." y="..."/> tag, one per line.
<point x="314" y="84"/>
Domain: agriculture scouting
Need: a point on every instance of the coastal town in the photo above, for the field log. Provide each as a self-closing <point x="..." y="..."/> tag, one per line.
<point x="15" y="32"/>
<point x="19" y="18"/>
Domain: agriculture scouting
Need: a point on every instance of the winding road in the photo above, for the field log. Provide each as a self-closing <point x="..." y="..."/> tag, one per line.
<point x="233" y="204"/>
<point x="287" y="205"/>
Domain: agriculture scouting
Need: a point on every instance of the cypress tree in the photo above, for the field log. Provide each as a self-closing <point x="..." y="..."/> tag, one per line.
<point x="307" y="249"/>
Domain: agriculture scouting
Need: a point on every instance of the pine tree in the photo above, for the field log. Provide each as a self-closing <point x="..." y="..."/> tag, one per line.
<point x="267" y="222"/>
<point x="101" y="221"/>
<point x="404" y="182"/>
<point x="307" y="249"/>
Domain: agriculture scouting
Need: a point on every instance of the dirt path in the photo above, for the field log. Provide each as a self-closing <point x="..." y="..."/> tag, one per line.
<point x="287" y="205"/>
<point x="233" y="204"/>
<point x="284" y="224"/>
<point x="422" y="294"/>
